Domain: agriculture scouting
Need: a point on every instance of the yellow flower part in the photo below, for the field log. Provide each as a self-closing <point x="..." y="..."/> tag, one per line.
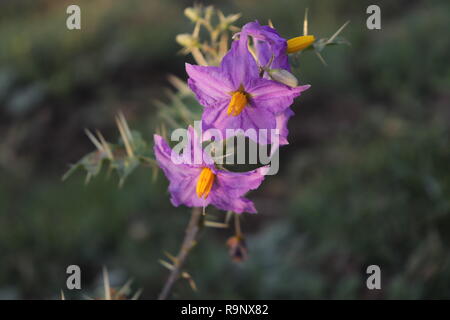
<point x="299" y="43"/>
<point x="237" y="104"/>
<point x="205" y="182"/>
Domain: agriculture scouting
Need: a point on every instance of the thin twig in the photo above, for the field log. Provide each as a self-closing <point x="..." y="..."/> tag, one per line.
<point x="237" y="225"/>
<point x="188" y="242"/>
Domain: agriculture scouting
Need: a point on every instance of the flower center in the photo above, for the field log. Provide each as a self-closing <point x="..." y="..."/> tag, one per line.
<point x="237" y="104"/>
<point x="299" y="43"/>
<point x="205" y="182"/>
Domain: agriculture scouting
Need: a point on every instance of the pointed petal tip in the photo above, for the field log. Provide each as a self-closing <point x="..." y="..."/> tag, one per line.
<point x="302" y="88"/>
<point x="157" y="138"/>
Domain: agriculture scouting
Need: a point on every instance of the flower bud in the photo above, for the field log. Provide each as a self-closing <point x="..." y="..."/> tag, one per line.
<point x="192" y="13"/>
<point x="186" y="40"/>
<point x="283" y="76"/>
<point x="237" y="248"/>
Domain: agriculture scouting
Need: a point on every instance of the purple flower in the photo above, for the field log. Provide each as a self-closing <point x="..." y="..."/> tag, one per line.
<point x="267" y="43"/>
<point x="200" y="184"/>
<point x="270" y="46"/>
<point x="236" y="97"/>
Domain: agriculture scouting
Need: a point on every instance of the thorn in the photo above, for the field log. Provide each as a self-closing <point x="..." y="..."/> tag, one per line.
<point x="228" y="217"/>
<point x="337" y="32"/>
<point x="125" y="126"/>
<point x="105" y="145"/>
<point x="191" y="281"/>
<point x="166" y="264"/>
<point x="94" y="140"/>
<point x="171" y="257"/>
<point x="124" y="289"/>
<point x="137" y="295"/>
<point x="88" y="178"/>
<point x="321" y="58"/>
<point x="106" y="284"/>
<point x="305" y="23"/>
<point x="124" y="136"/>
<point x="213" y="224"/>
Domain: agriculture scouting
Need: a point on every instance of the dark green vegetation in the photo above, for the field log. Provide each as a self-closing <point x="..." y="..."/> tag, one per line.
<point x="365" y="180"/>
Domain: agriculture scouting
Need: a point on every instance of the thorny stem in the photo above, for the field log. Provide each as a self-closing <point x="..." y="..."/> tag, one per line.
<point x="188" y="242"/>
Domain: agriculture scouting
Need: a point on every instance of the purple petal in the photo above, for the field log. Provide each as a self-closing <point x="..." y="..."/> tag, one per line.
<point x="222" y="201"/>
<point x="272" y="95"/>
<point x="210" y="84"/>
<point x="267" y="43"/>
<point x="226" y="193"/>
<point x="252" y="117"/>
<point x="239" y="64"/>
<point x="164" y="154"/>
<point x="230" y="187"/>
<point x="198" y="156"/>
<point x="263" y="52"/>
<point x="239" y="183"/>
<point x="261" y="120"/>
<point x="182" y="177"/>
<point x="282" y="120"/>
<point x="219" y="119"/>
<point x="184" y="192"/>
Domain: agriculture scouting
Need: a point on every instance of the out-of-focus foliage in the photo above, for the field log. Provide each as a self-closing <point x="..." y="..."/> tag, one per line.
<point x="124" y="157"/>
<point x="364" y="180"/>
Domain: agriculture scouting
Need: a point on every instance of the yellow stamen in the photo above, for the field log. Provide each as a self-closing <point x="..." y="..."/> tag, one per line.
<point x="205" y="182"/>
<point x="237" y="103"/>
<point x="299" y="43"/>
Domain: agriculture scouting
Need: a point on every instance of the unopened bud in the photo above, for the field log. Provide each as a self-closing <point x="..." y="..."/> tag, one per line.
<point x="283" y="76"/>
<point x="237" y="248"/>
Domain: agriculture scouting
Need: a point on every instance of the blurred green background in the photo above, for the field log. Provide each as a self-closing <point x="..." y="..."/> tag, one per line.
<point x="365" y="179"/>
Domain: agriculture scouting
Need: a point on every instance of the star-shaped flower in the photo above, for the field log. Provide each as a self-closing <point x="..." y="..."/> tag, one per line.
<point x="235" y="96"/>
<point x="201" y="183"/>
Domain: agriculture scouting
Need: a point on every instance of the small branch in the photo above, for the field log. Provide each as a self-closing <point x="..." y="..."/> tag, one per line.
<point x="188" y="242"/>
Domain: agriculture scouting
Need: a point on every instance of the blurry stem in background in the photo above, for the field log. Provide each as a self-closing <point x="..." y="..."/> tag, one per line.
<point x="237" y="225"/>
<point x="188" y="242"/>
<point x="198" y="56"/>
